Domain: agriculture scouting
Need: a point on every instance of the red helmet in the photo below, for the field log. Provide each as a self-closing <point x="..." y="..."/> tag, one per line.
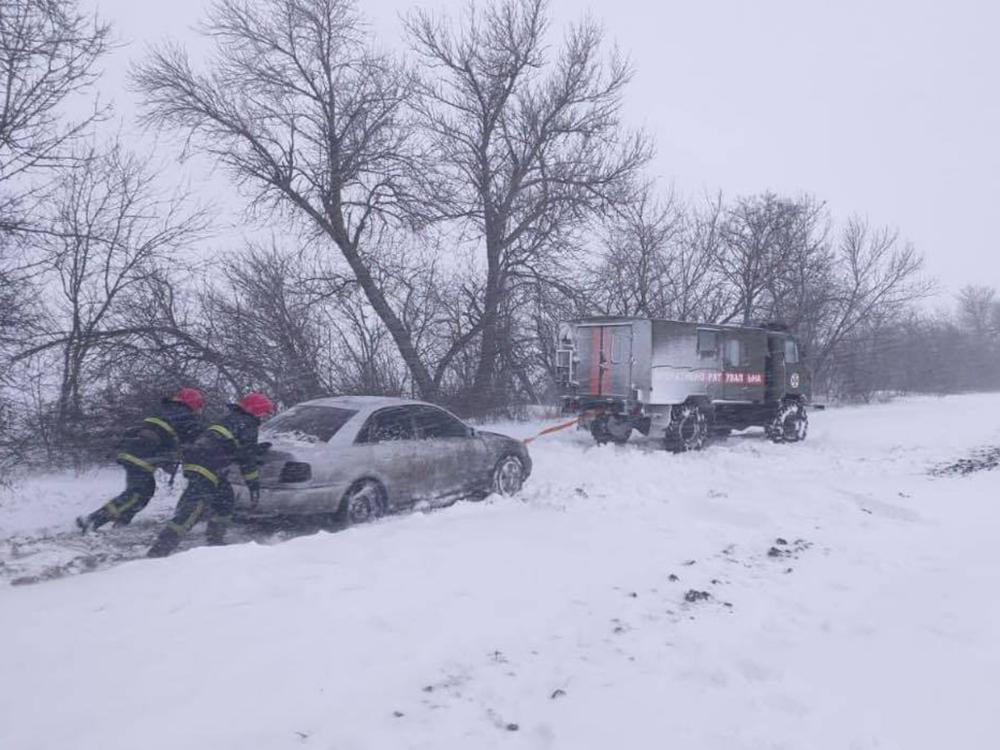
<point x="190" y="397"/>
<point x="257" y="405"/>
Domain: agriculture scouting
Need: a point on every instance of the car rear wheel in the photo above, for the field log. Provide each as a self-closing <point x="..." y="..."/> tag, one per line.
<point x="364" y="501"/>
<point x="508" y="476"/>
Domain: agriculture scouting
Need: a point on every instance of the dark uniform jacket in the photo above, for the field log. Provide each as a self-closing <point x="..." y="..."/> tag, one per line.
<point x="157" y="440"/>
<point x="232" y="439"/>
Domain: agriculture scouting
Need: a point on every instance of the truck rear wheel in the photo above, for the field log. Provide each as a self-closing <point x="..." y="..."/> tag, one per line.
<point x="611" y="428"/>
<point x="790" y="424"/>
<point x="688" y="429"/>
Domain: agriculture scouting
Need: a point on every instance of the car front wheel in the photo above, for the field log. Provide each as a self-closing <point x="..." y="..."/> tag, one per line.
<point x="508" y="476"/>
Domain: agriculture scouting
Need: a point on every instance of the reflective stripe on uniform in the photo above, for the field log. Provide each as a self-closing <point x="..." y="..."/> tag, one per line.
<point x="251" y="475"/>
<point x="131" y="500"/>
<point x="185" y="527"/>
<point x="210" y="475"/>
<point x="136" y="461"/>
<point x="162" y="423"/>
<point x="224" y="432"/>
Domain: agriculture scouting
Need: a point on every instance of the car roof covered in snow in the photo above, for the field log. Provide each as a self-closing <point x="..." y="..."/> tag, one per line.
<point x="364" y="406"/>
<point x="361" y="403"/>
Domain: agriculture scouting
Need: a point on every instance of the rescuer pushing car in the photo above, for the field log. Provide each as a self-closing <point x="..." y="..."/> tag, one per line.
<point x="155" y="443"/>
<point x="231" y="440"/>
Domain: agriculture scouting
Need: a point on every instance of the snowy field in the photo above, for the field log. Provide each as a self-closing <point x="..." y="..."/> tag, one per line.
<point x="832" y="594"/>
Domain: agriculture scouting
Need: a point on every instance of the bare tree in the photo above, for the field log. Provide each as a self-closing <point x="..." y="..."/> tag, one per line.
<point x="758" y="236"/>
<point x="659" y="261"/>
<point x="111" y="239"/>
<point x="877" y="278"/>
<point x="308" y="119"/>
<point x="263" y="325"/>
<point x="694" y="287"/>
<point x="531" y="147"/>
<point x="979" y="311"/>
<point x="48" y="54"/>
<point x="802" y="291"/>
<point x="634" y="275"/>
<point x="18" y="303"/>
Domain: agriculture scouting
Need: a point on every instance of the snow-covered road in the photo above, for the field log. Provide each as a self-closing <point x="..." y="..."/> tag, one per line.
<point x="558" y="619"/>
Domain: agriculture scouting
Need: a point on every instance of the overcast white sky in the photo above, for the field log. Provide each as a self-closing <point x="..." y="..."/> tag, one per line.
<point x="887" y="108"/>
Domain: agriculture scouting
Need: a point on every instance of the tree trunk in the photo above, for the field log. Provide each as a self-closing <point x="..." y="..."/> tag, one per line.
<point x="484" y="397"/>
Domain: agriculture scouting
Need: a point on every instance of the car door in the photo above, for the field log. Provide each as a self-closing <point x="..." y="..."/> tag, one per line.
<point x="448" y="451"/>
<point x="387" y="449"/>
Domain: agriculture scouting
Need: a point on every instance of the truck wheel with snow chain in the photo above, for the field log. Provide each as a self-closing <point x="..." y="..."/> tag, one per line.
<point x="688" y="429"/>
<point x="790" y="424"/>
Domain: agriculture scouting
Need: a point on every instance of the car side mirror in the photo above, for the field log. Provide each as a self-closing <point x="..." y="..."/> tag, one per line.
<point x="472" y="432"/>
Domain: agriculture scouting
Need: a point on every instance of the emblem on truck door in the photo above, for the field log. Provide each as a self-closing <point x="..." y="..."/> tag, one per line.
<point x="794" y="380"/>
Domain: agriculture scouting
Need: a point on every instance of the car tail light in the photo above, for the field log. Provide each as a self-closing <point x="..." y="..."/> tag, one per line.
<point x="293" y="471"/>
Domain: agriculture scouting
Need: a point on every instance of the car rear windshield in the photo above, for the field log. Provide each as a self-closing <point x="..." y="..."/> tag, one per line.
<point x="313" y="423"/>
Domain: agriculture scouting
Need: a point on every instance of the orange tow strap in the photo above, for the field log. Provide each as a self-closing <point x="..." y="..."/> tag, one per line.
<point x="550" y="430"/>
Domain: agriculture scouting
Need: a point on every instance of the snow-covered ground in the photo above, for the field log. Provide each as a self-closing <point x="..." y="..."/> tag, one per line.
<point x="557" y="619"/>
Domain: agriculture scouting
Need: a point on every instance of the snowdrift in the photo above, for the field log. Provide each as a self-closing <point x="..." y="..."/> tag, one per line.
<point x="834" y="594"/>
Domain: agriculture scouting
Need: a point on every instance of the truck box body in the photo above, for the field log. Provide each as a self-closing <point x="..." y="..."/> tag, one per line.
<point x="661" y="363"/>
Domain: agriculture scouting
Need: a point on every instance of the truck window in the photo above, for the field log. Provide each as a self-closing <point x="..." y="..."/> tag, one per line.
<point x="734" y="353"/>
<point x="708" y="343"/>
<point x="791" y="352"/>
<point x="619" y="347"/>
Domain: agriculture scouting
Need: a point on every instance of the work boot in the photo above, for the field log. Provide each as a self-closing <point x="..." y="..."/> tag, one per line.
<point x="215" y="532"/>
<point x="94" y="521"/>
<point x="122" y="521"/>
<point x="165" y="543"/>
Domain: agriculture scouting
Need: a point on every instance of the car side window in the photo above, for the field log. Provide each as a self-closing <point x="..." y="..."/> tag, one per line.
<point x="389" y="425"/>
<point x="435" y="424"/>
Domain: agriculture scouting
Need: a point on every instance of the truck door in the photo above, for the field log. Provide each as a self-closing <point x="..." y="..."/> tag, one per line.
<point x="775" y="368"/>
<point x="744" y="354"/>
<point x="798" y="381"/>
<point x="732" y="367"/>
<point x="606" y="353"/>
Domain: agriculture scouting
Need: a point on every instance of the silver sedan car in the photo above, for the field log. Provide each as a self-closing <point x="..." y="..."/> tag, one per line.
<point x="358" y="457"/>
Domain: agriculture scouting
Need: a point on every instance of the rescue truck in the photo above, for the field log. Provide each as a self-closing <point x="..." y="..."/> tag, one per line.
<point x="682" y="382"/>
